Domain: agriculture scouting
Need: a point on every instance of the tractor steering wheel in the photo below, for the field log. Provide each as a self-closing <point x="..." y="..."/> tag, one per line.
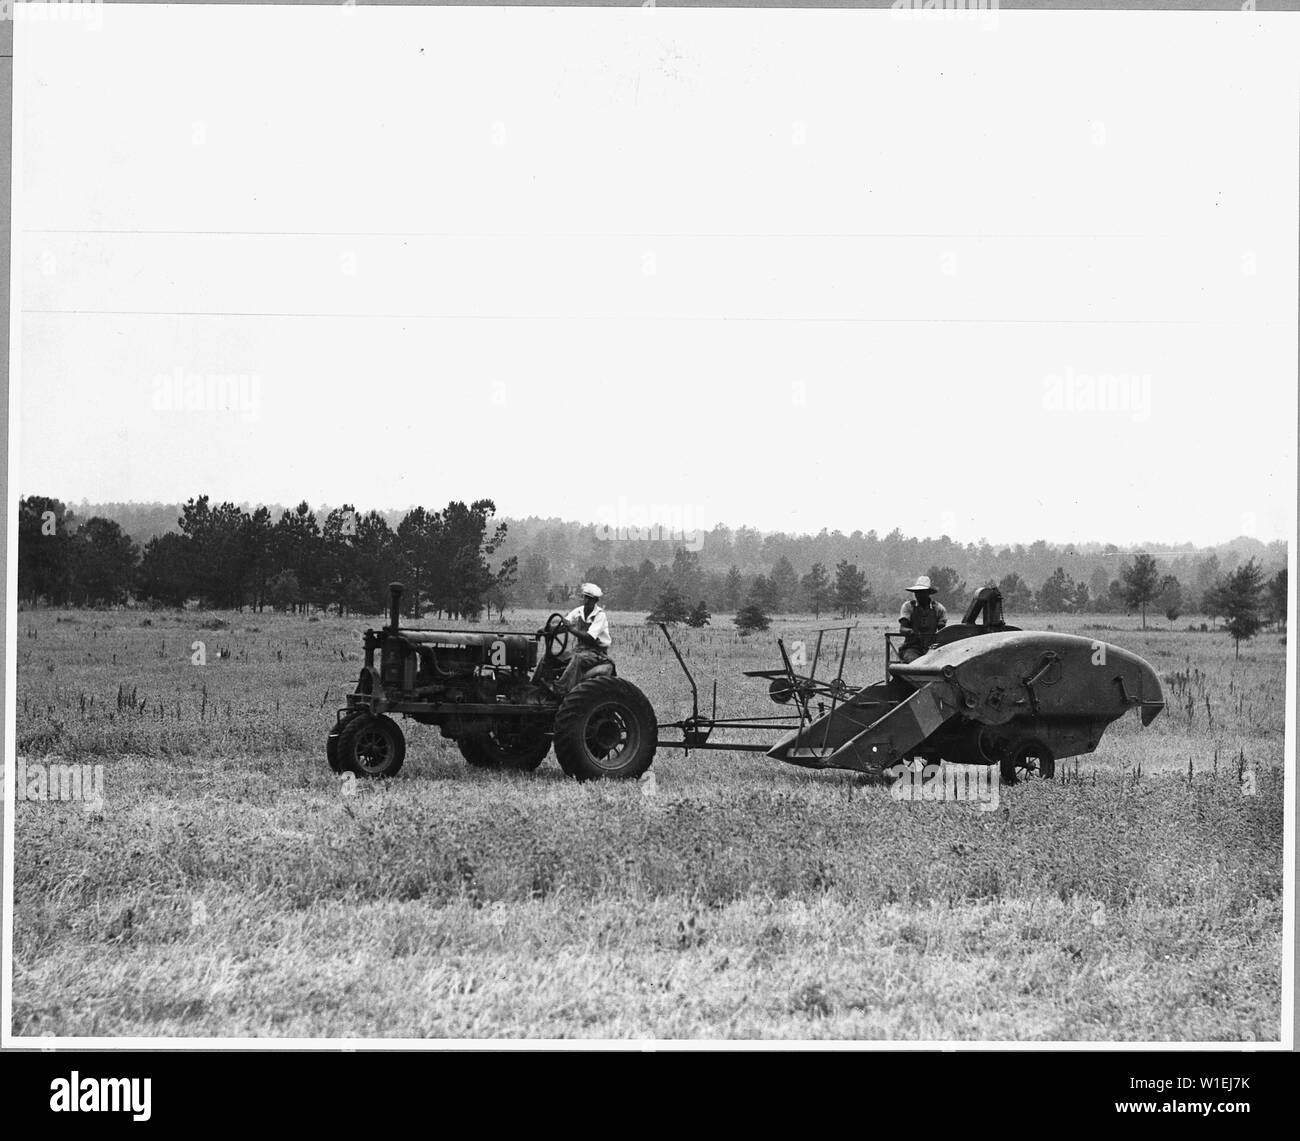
<point x="556" y="633"/>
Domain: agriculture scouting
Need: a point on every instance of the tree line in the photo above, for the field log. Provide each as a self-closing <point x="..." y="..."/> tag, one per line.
<point x="672" y="591"/>
<point x="553" y="554"/>
<point x="456" y="562"/>
<point x="1242" y="597"/>
<point x="224" y="556"/>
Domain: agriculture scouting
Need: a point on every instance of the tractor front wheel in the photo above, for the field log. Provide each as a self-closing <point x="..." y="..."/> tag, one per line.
<point x="605" y="727"/>
<point x="371" y="746"/>
<point x="332" y="741"/>
<point x="522" y="748"/>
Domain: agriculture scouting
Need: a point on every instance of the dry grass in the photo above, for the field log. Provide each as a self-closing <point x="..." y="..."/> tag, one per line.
<point x="229" y="888"/>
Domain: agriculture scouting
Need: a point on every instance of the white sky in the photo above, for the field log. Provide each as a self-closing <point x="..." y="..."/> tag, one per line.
<point x="792" y="269"/>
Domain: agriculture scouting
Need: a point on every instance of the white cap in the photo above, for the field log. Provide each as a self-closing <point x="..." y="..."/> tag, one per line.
<point x="591" y="590"/>
<point x="922" y="583"/>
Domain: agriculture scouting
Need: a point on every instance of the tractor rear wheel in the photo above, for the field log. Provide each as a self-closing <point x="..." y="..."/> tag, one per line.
<point x="522" y="748"/>
<point x="605" y="727"/>
<point x="371" y="746"/>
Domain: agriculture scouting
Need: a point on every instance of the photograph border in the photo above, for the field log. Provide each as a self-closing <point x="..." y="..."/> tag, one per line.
<point x="9" y="348"/>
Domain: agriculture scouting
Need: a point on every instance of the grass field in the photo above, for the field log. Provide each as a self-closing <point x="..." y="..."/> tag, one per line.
<point x="230" y="885"/>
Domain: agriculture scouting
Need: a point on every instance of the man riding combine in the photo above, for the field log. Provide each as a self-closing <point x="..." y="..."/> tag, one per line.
<point x="921" y="619"/>
<point x="589" y="624"/>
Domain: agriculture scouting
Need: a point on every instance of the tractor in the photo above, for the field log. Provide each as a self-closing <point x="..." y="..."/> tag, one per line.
<point x="495" y="695"/>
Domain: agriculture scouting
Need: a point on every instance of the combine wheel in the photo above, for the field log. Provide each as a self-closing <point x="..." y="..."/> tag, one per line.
<point x="371" y="746"/>
<point x="518" y="747"/>
<point x="1028" y="758"/>
<point x="605" y="728"/>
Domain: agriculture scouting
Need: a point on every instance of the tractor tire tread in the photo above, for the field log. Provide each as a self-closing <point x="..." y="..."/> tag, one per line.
<point x="570" y="722"/>
<point x="347" y="745"/>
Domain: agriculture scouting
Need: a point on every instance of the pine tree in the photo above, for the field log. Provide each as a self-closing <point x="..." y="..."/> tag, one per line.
<point x="1098" y="586"/>
<point x="1239" y="597"/>
<point x="283" y="591"/>
<point x="163" y="578"/>
<point x="669" y="608"/>
<point x="103" y="563"/>
<point x="1057" y="593"/>
<point x="1276" y="600"/>
<point x="686" y="575"/>
<point x="817" y="589"/>
<point x="1170" y="598"/>
<point x="1079" y="604"/>
<point x="732" y="589"/>
<point x="784" y="583"/>
<point x="1206" y="576"/>
<point x="763" y="594"/>
<point x="1016" y="594"/>
<point x="1115" y="596"/>
<point x="44" y="535"/>
<point x="699" y="616"/>
<point x="850" y="589"/>
<point x="751" y="618"/>
<point x="1141" y="583"/>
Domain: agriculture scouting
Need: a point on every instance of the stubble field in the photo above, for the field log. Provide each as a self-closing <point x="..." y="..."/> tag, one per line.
<point x="230" y="885"/>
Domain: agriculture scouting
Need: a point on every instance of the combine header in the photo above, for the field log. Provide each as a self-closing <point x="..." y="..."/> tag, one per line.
<point x="986" y="693"/>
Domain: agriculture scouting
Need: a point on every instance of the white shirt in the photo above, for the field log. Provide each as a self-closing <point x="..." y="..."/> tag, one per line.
<point x="597" y="626"/>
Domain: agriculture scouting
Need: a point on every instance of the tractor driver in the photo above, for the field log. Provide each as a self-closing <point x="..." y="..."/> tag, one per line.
<point x="921" y="619"/>
<point x="589" y="625"/>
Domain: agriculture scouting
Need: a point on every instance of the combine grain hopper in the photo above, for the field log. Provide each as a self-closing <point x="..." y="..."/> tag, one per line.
<point x="985" y="693"/>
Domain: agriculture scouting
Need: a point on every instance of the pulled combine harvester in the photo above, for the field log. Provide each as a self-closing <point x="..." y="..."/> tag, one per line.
<point x="984" y="693"/>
